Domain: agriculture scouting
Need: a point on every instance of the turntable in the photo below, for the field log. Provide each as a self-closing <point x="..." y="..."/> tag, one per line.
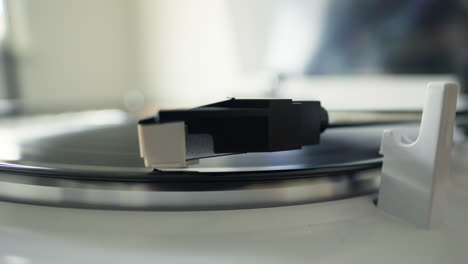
<point x="97" y="165"/>
<point x="75" y="161"/>
<point x="313" y="198"/>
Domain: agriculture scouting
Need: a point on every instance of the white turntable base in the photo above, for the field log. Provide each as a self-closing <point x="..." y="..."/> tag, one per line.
<point x="345" y="231"/>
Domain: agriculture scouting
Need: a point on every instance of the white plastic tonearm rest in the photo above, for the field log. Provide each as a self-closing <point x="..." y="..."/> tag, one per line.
<point x="414" y="174"/>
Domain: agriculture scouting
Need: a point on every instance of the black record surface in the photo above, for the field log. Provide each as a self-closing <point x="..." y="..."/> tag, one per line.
<point x="112" y="153"/>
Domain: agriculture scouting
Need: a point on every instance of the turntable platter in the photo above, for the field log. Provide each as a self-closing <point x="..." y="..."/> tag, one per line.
<point x="79" y="160"/>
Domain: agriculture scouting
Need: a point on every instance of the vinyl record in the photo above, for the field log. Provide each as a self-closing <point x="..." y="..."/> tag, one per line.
<point x="60" y="148"/>
<point x="71" y="161"/>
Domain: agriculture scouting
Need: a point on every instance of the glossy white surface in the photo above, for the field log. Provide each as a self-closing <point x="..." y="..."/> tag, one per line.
<point x="414" y="173"/>
<point x="345" y="231"/>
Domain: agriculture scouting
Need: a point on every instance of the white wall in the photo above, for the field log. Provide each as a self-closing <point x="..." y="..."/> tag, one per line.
<point x="189" y="52"/>
<point x="78" y="54"/>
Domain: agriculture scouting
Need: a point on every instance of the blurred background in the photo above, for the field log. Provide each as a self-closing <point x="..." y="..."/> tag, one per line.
<point x="144" y="55"/>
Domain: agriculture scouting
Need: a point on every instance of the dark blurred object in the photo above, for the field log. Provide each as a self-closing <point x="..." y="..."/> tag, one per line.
<point x="398" y="37"/>
<point x="250" y="125"/>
